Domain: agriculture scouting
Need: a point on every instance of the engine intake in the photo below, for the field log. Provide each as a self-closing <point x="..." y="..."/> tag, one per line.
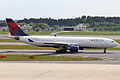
<point x="74" y="48"/>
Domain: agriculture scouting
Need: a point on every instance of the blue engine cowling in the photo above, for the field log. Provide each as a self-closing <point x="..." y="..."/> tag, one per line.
<point x="74" y="48"/>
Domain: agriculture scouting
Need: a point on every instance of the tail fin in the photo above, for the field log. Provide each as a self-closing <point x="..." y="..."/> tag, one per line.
<point x="14" y="28"/>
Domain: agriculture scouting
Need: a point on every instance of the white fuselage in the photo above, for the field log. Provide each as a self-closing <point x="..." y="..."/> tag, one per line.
<point x="84" y="42"/>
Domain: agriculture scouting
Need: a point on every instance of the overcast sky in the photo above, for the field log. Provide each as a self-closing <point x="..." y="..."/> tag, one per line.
<point x="19" y="9"/>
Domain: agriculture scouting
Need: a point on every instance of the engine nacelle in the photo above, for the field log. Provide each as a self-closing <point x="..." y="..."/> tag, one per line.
<point x="74" y="48"/>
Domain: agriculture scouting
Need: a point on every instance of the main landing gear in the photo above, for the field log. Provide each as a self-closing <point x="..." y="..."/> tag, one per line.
<point x="65" y="51"/>
<point x="61" y="51"/>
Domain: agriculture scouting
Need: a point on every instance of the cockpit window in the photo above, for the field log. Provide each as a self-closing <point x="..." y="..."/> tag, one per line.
<point x="112" y="41"/>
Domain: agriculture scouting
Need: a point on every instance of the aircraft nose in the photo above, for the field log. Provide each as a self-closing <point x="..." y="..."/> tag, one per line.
<point x="116" y="44"/>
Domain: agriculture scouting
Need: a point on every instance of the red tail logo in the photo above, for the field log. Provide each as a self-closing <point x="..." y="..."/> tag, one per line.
<point x="14" y="29"/>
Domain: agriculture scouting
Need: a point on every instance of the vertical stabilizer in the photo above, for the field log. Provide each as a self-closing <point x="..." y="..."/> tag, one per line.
<point x="14" y="28"/>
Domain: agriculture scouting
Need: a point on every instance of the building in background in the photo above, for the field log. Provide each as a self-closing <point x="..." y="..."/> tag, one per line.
<point x="80" y="27"/>
<point x="27" y="28"/>
<point x="3" y="29"/>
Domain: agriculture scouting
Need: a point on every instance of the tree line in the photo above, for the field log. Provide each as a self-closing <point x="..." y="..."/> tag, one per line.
<point x="95" y="22"/>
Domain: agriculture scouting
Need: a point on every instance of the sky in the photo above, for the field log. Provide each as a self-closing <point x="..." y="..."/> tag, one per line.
<point x="57" y="9"/>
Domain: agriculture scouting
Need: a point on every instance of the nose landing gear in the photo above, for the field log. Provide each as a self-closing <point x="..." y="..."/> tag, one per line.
<point x="105" y="50"/>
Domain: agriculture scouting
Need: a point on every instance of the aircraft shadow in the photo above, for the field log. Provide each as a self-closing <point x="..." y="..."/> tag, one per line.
<point x="47" y="53"/>
<point x="95" y="53"/>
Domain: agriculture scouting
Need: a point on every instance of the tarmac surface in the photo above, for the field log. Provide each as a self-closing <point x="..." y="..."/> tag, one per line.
<point x="111" y="57"/>
<point x="50" y="71"/>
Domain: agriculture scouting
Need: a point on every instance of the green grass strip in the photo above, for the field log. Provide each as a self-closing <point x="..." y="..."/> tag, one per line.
<point x="43" y="58"/>
<point x="117" y="40"/>
<point x="40" y="33"/>
<point x="4" y="32"/>
<point x="102" y="49"/>
<point x="8" y="40"/>
<point x="74" y="33"/>
<point x="23" y="47"/>
<point x="33" y="33"/>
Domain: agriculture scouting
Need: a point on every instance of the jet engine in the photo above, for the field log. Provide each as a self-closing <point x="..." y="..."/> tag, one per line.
<point x="74" y="48"/>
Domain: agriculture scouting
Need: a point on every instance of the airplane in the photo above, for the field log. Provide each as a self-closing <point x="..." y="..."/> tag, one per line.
<point x="64" y="44"/>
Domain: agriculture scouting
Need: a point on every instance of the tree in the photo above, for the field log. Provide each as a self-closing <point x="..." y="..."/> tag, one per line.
<point x="37" y="29"/>
<point x="97" y="23"/>
<point x="40" y="26"/>
<point x="32" y="24"/>
<point x="55" y="27"/>
<point x="22" y="23"/>
<point x="3" y="24"/>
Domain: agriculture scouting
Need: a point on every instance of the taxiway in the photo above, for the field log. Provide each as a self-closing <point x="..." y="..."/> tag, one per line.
<point x="48" y="71"/>
<point x="111" y="57"/>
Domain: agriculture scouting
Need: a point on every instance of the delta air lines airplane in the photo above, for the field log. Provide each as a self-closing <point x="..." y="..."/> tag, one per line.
<point x="72" y="44"/>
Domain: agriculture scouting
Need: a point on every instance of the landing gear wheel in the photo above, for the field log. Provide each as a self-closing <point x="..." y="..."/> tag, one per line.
<point x="57" y="51"/>
<point x="61" y="51"/>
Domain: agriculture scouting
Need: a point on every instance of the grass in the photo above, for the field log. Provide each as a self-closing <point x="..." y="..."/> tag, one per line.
<point x="33" y="33"/>
<point x="89" y="33"/>
<point x="23" y="47"/>
<point x="102" y="49"/>
<point x="43" y="58"/>
<point x="8" y="40"/>
<point x="73" y="33"/>
<point x="4" y="32"/>
<point x="38" y="33"/>
<point x="117" y="40"/>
